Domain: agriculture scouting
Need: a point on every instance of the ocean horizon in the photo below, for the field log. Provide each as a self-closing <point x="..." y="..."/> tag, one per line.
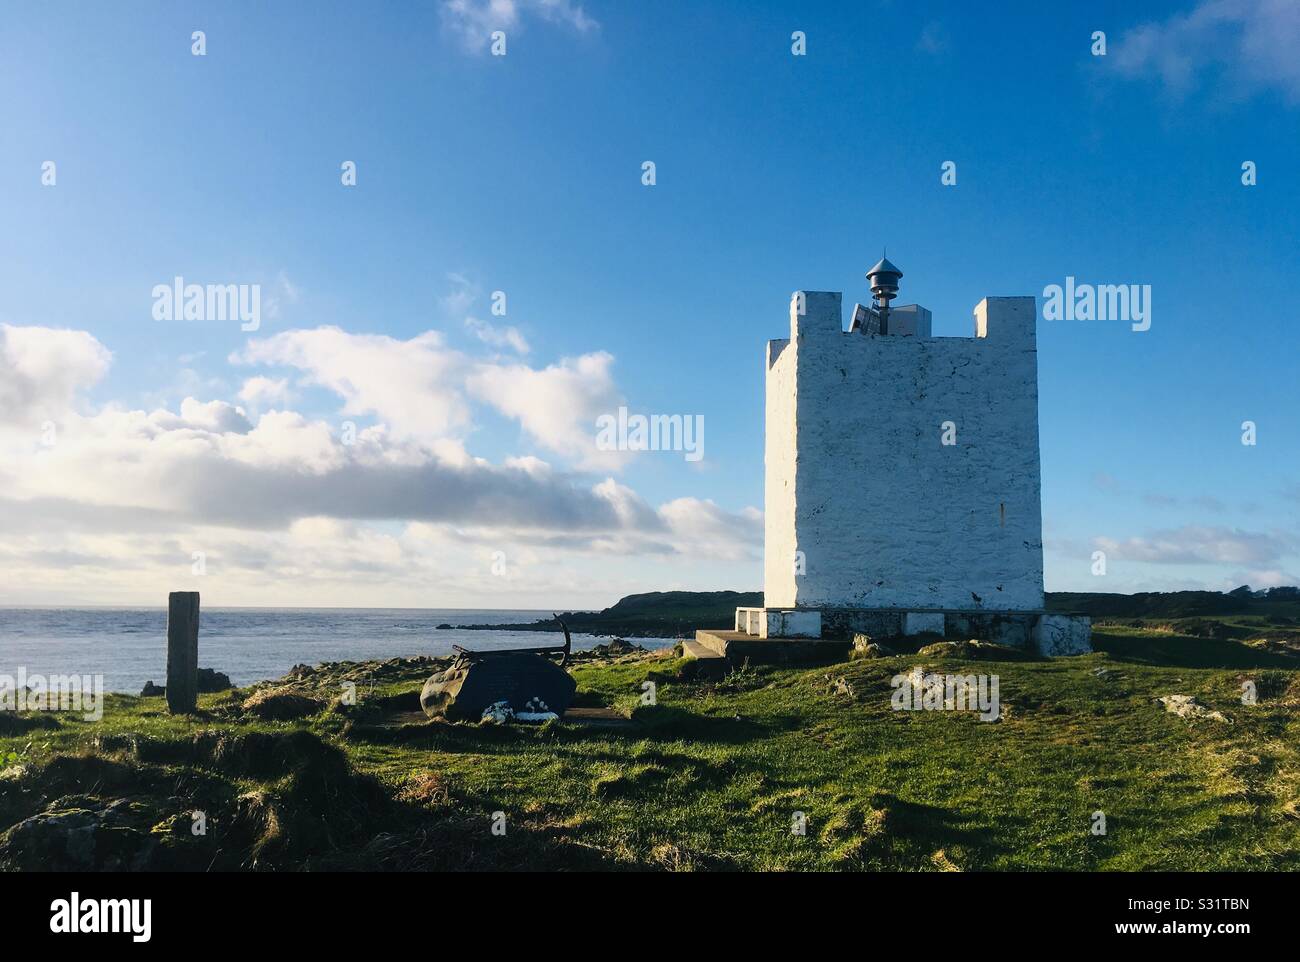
<point x="128" y="645"/>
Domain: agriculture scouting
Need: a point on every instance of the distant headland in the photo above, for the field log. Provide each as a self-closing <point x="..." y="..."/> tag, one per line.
<point x="667" y="614"/>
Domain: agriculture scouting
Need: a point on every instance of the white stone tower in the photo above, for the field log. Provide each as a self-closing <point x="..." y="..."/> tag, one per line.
<point x="902" y="474"/>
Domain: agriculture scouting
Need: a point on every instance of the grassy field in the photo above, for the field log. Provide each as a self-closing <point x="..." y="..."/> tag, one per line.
<point x="708" y="778"/>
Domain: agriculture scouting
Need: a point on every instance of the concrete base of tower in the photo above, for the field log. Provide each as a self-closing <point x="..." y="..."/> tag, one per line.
<point x="1047" y="633"/>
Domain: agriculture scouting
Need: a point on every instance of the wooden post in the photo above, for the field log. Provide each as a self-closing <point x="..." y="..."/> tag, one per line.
<point x="182" y="652"/>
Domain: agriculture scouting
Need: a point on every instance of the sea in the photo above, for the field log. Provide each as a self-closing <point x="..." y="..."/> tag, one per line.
<point x="128" y="646"/>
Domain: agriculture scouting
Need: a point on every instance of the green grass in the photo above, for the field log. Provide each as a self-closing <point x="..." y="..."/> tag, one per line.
<point x="711" y="776"/>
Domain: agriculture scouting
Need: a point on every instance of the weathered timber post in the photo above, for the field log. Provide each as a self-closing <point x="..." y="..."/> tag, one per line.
<point x="182" y="652"/>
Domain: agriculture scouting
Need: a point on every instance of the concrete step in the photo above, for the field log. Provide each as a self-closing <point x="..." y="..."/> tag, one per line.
<point x="696" y="649"/>
<point x="737" y="646"/>
<point x="712" y="641"/>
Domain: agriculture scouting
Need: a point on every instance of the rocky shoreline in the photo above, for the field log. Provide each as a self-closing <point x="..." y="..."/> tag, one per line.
<point x="648" y="630"/>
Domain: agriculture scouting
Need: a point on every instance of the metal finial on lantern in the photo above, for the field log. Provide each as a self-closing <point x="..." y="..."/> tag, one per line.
<point x="884" y="278"/>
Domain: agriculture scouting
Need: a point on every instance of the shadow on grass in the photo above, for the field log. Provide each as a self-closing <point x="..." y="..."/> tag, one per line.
<point x="880" y="831"/>
<point x="280" y="802"/>
<point x="933" y="828"/>
<point x="1184" y="651"/>
<point x="664" y="723"/>
<point x="657" y="723"/>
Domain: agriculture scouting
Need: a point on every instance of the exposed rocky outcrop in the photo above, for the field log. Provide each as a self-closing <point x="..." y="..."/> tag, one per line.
<point x="281" y="704"/>
<point x="210" y="680"/>
<point x="1186" y="706"/>
<point x="865" y="647"/>
<point x="974" y="649"/>
<point x="72" y="835"/>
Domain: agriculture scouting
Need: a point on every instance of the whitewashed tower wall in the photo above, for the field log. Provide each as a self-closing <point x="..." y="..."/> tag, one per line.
<point x="857" y="478"/>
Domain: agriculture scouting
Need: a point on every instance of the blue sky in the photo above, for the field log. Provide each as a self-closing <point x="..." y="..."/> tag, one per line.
<point x="523" y="173"/>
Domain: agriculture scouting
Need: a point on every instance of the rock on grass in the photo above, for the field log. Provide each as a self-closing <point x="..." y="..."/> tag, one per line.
<point x="865" y="647"/>
<point x="281" y="704"/>
<point x="76" y="839"/>
<point x="210" y="680"/>
<point x="1185" y="706"/>
<point x="974" y="649"/>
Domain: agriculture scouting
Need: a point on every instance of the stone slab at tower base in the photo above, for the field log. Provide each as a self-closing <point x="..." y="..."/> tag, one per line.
<point x="1047" y="633"/>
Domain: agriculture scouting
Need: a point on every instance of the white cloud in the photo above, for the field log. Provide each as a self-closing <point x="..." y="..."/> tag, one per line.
<point x="458" y="303"/>
<point x="288" y="288"/>
<point x="461" y="297"/>
<point x="701" y="527"/>
<point x="498" y="337"/>
<point x="283" y="291"/>
<point x="557" y="406"/>
<point x="412" y="385"/>
<point x="1196" y="544"/>
<point x="473" y="21"/>
<point x="1267" y="578"/>
<point x="1248" y="45"/>
<point x="216" y="417"/>
<point x="42" y="370"/>
<point x="67" y="557"/>
<point x="262" y="391"/>
<point x="279" y="504"/>
<point x="209" y="466"/>
<point x="420" y="388"/>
